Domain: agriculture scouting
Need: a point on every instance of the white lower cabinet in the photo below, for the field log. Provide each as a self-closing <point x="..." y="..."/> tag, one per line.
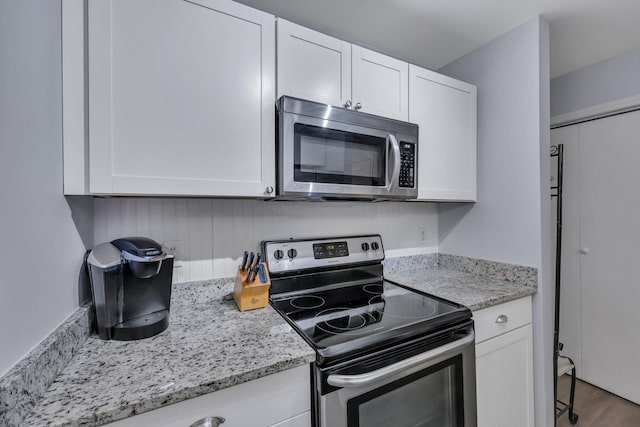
<point x="278" y="400"/>
<point x="504" y="365"/>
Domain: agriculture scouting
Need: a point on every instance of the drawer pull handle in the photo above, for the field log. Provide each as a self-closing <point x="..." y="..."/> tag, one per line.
<point x="502" y="319"/>
<point x="208" y="422"/>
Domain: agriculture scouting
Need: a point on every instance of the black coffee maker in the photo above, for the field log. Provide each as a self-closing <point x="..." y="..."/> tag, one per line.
<point x="131" y="288"/>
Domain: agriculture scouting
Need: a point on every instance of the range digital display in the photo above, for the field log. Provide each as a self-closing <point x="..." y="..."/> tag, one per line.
<point x="330" y="250"/>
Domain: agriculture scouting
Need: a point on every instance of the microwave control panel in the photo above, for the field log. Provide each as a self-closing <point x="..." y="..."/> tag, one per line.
<point x="407" y="165"/>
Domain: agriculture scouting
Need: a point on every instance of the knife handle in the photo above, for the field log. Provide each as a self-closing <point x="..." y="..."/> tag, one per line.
<point x="247" y="279"/>
<point x="245" y="258"/>
<point x="262" y="273"/>
<point x="254" y="273"/>
<point x="251" y="256"/>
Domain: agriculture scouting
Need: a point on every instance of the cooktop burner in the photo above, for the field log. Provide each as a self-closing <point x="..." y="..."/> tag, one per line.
<point x="307" y="302"/>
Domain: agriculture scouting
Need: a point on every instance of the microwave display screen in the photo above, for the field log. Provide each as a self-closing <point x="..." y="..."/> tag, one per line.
<point x="332" y="156"/>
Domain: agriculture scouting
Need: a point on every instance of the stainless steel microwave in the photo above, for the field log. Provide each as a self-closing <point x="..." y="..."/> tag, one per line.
<point x="332" y="152"/>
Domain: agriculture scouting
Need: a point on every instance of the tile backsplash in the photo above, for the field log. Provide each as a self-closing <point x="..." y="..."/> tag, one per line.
<point x="208" y="236"/>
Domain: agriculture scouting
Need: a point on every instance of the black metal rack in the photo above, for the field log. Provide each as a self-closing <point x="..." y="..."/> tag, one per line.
<point x="568" y="365"/>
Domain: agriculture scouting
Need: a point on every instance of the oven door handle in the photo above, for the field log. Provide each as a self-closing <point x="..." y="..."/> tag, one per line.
<point x="361" y="380"/>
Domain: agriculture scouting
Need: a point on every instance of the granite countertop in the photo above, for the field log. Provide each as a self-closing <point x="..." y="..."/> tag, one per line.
<point x="475" y="292"/>
<point x="209" y="345"/>
<point x="473" y="282"/>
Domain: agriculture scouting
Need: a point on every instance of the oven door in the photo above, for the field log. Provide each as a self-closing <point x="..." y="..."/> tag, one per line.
<point x="325" y="158"/>
<point x="434" y="388"/>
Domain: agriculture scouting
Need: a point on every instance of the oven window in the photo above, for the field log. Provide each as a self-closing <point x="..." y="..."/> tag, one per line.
<point x="429" y="398"/>
<point x="326" y="155"/>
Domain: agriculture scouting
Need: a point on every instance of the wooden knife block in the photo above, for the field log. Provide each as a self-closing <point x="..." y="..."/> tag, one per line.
<point x="251" y="295"/>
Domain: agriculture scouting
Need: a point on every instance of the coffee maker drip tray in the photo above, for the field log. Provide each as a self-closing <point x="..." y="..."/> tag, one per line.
<point x="140" y="327"/>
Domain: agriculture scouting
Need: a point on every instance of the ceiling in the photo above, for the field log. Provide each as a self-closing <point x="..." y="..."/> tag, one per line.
<point x="433" y="33"/>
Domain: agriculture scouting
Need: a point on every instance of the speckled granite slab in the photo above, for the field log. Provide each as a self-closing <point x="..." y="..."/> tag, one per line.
<point x="527" y="276"/>
<point x="474" y="291"/>
<point x="209" y="345"/>
<point x="25" y="384"/>
<point x="473" y="282"/>
<point x="413" y="262"/>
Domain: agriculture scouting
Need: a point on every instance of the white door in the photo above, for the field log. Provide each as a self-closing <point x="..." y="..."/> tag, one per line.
<point x="312" y="65"/>
<point x="610" y="232"/>
<point x="445" y="110"/>
<point x="380" y="84"/>
<point x="181" y="98"/>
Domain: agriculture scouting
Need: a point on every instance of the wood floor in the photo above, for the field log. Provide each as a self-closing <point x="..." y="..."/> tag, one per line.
<point x="596" y="407"/>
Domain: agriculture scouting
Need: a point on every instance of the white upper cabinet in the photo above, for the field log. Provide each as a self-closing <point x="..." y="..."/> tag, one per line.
<point x="445" y="109"/>
<point x="181" y="98"/>
<point x="314" y="66"/>
<point x="380" y="84"/>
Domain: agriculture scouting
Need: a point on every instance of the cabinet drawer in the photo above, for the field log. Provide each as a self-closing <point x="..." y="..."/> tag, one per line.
<point x="283" y="399"/>
<point x="493" y="321"/>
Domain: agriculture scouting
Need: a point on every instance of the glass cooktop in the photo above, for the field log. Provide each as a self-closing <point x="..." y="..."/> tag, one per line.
<point x="345" y="320"/>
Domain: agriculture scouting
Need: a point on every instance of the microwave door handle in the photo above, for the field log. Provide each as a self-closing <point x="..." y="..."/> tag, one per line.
<point x="361" y="380"/>
<point x="395" y="172"/>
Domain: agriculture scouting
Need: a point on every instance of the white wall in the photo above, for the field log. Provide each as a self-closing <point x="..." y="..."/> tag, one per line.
<point x="210" y="235"/>
<point x="41" y="249"/>
<point x="510" y="222"/>
<point x="607" y="81"/>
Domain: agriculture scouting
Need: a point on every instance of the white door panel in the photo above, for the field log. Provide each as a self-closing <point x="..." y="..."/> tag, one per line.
<point x="380" y="83"/>
<point x="181" y="98"/>
<point x="445" y="111"/>
<point x="610" y="232"/>
<point x="312" y="65"/>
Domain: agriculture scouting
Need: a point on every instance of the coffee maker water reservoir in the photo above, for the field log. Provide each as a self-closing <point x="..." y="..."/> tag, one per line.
<point x="131" y="288"/>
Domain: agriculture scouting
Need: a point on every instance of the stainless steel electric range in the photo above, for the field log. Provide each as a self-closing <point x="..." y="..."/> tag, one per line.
<point x="386" y="355"/>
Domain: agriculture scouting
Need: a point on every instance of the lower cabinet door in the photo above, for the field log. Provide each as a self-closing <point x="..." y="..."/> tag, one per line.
<point x="504" y="380"/>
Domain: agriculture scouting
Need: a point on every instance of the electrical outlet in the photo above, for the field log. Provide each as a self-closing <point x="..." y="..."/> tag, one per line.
<point x="171" y="246"/>
<point x="422" y="234"/>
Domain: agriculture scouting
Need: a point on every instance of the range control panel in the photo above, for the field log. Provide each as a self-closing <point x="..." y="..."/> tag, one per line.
<point x="300" y="254"/>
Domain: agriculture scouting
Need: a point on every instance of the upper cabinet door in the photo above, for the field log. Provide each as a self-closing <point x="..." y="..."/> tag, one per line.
<point x="181" y="98"/>
<point x="312" y="65"/>
<point x="380" y="84"/>
<point x="320" y="68"/>
<point x="445" y="109"/>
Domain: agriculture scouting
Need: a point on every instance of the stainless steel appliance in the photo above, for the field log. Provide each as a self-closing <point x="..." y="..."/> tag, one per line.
<point x="131" y="288"/>
<point x="331" y="152"/>
<point x="386" y="355"/>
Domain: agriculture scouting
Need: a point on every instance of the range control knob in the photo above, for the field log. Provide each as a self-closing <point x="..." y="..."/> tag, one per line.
<point x="292" y="253"/>
<point x="365" y="246"/>
<point x="375" y="246"/>
<point x="278" y="254"/>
